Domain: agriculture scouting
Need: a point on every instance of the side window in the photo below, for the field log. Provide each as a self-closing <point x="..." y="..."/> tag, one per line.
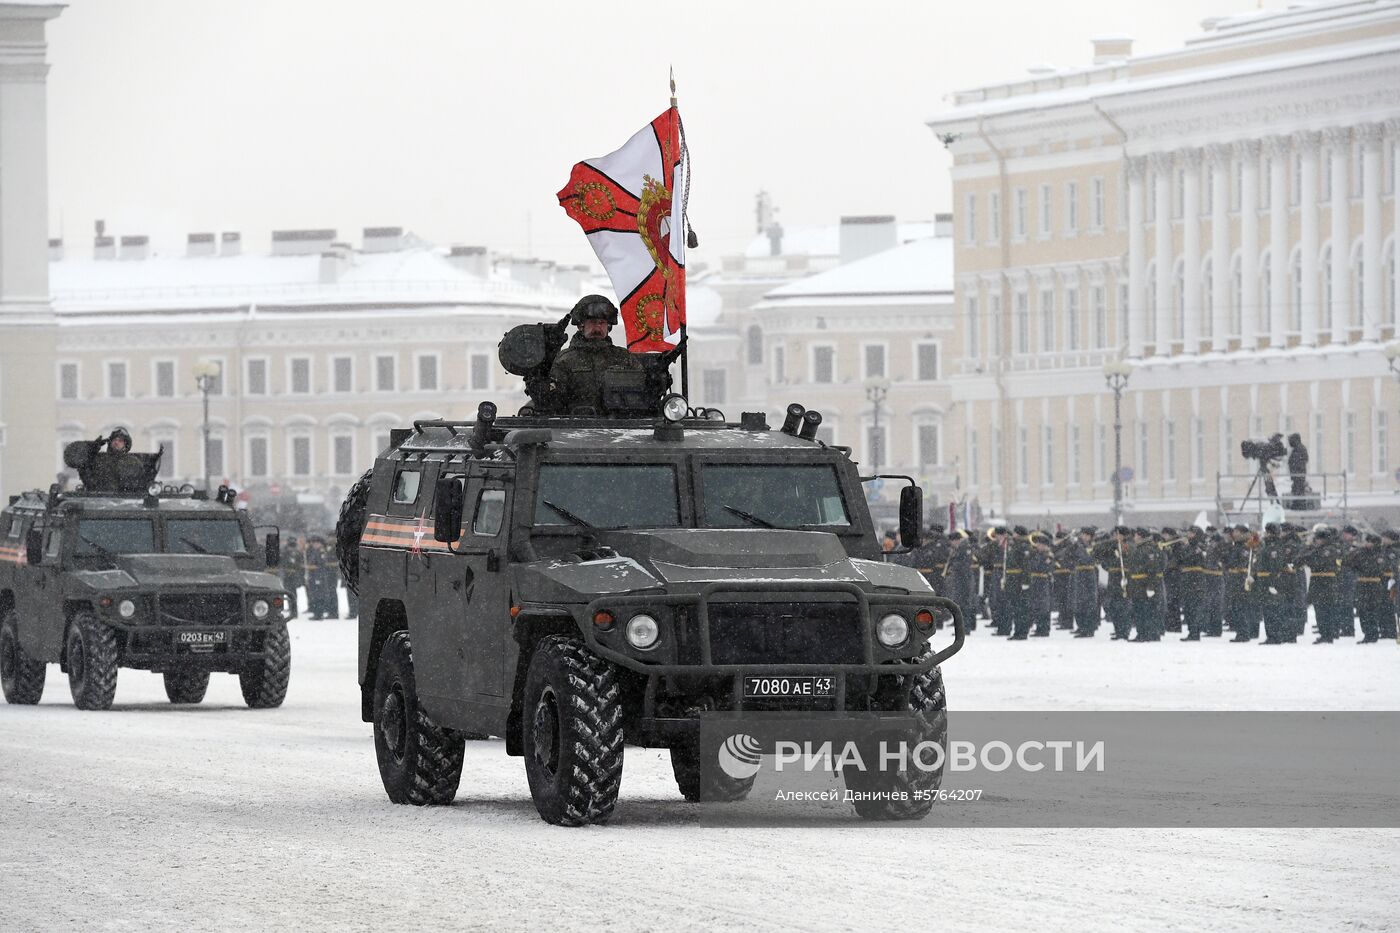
<point x="406" y="487"/>
<point x="54" y="544"/>
<point x="490" y="512"/>
<point x="16" y="526"/>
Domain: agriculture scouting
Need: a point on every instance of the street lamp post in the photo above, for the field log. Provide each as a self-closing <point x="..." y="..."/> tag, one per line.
<point x="205" y="372"/>
<point x="1116" y="375"/>
<point x="876" y="388"/>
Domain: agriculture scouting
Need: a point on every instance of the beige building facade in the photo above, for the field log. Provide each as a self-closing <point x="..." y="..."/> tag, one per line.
<point x="1222" y="217"/>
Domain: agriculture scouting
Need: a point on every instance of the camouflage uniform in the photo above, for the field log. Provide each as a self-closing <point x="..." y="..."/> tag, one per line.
<point x="578" y="373"/>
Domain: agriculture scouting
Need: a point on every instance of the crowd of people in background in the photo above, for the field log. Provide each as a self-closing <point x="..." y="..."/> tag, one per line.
<point x="313" y="564"/>
<point x="1146" y="582"/>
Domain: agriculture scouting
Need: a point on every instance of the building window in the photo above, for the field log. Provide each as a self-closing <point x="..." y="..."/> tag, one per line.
<point x="754" y="342"/>
<point x="479" y="371"/>
<point x="1318" y="451"/>
<point x="1380" y="442"/>
<point x="1101" y="452"/>
<point x="116" y="380"/>
<point x="928" y="445"/>
<point x="1227" y="434"/>
<point x="301" y="455"/>
<point x="1266" y="189"/>
<point x="1100" y="298"/>
<point x="1023" y="322"/>
<point x="873" y="358"/>
<point x="994" y="325"/>
<point x="342" y="374"/>
<point x="779" y="365"/>
<point x="1349" y="443"/>
<point x="1198" y="449"/>
<point x="1072" y="457"/>
<point x="875" y="444"/>
<point x="1072" y="319"/>
<point x="994" y="215"/>
<point x="1326" y="175"/>
<point x="1046" y="218"/>
<point x="1237" y="301"/>
<point x="926" y="362"/>
<point x="712" y="383"/>
<point x="1296" y="193"/>
<point x="971" y="341"/>
<point x="1150" y="195"/>
<point x="257" y="457"/>
<point x="1325" y="324"/>
<point x="1018" y="229"/>
<point x="1072" y="208"/>
<point x="255" y="377"/>
<point x="1207" y="301"/>
<point x="1047" y="455"/>
<point x="381" y="441"/>
<point x="996" y="456"/>
<point x="1047" y="320"/>
<point x="214" y="456"/>
<point x="165" y="443"/>
<point x="1179" y="195"/>
<point x="824" y="364"/>
<point x="970" y="219"/>
<point x="1169" y="451"/>
<point x="1179" y="295"/>
<point x="1140" y="469"/>
<point x="1023" y="457"/>
<point x="973" y="456"/>
<point x="1208" y="190"/>
<point x="343" y="454"/>
<point x="299" y="375"/>
<point x="386" y="373"/>
<point x="1236" y="185"/>
<point x="68" y="380"/>
<point x="1096" y="204"/>
<point x="427" y="372"/>
<point x="165" y="379"/>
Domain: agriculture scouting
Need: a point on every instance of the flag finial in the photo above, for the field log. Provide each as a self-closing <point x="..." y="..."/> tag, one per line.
<point x="673" y="85"/>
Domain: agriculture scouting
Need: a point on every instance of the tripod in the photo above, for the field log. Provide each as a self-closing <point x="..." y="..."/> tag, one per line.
<point x="1265" y="476"/>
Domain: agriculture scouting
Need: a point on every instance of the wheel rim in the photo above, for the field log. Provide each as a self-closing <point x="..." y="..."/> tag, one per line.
<point x="546" y="732"/>
<point x="393" y="722"/>
<point x="76" y="661"/>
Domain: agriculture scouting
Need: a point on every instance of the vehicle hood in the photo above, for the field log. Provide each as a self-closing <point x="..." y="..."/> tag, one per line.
<point x="150" y="571"/>
<point x="625" y="561"/>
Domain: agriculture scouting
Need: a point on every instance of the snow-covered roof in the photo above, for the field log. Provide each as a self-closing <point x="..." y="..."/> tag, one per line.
<point x="918" y="269"/>
<point x="826" y="241"/>
<point x="414" y="275"/>
<point x="702" y="305"/>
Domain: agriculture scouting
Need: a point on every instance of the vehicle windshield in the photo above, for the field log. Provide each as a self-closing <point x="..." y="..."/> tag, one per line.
<point x="100" y="536"/>
<point x="204" y="536"/>
<point x="772" y="495"/>
<point x="607" y="496"/>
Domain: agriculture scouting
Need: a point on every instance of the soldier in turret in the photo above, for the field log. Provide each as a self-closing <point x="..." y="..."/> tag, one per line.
<point x="577" y="376"/>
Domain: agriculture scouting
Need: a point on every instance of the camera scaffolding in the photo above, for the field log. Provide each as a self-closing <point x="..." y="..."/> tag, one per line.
<point x="1248" y="497"/>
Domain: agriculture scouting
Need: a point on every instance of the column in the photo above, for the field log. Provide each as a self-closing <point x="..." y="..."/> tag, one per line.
<point x="1279" y="149"/>
<point x="1137" y="260"/>
<point x="1191" y="250"/>
<point x="1219" y="157"/>
<point x="1338" y="141"/>
<point x="1162" y="164"/>
<point x="1308" y="207"/>
<point x="1247" y="152"/>
<point x="1371" y="194"/>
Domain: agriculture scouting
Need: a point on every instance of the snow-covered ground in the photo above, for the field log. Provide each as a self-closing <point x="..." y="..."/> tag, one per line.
<point x="217" y="817"/>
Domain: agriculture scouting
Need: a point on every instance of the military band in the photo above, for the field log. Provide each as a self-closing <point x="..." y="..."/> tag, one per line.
<point x="1147" y="582"/>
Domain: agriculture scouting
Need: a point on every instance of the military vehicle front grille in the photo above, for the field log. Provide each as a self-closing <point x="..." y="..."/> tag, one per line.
<point x="780" y="633"/>
<point x="201" y="609"/>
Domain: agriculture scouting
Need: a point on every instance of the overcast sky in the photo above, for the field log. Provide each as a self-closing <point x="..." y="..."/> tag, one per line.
<point x="460" y="120"/>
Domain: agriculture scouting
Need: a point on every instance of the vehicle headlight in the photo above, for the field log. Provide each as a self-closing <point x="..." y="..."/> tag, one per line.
<point x="642" y="631"/>
<point x="260" y="608"/>
<point x="126" y="609"/>
<point x="892" y="630"/>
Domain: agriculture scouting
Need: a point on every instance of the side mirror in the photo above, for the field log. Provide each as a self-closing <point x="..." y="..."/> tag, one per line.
<point x="911" y="516"/>
<point x="33" y="546"/>
<point x="447" y="509"/>
<point x="273" y="546"/>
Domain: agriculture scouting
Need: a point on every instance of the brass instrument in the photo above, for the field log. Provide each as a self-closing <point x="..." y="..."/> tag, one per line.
<point x="1122" y="571"/>
<point x="1172" y="542"/>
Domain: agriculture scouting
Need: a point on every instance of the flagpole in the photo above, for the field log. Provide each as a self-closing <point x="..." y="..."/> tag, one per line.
<point x="681" y="230"/>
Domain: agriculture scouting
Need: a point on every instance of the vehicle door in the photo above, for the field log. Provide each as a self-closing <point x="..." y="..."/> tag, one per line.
<point x="39" y="594"/>
<point x="476" y="593"/>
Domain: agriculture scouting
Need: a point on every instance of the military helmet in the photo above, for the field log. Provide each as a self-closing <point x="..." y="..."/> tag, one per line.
<point x="593" y="308"/>
<point x="120" y="435"/>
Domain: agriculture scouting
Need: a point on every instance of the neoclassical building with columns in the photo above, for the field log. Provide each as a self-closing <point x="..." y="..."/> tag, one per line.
<point x="1223" y="217"/>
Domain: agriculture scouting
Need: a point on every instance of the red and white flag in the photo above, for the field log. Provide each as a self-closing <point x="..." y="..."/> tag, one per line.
<point x="631" y="205"/>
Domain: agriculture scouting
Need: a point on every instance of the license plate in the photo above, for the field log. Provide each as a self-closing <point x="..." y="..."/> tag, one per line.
<point x="797" y="687"/>
<point x="203" y="638"/>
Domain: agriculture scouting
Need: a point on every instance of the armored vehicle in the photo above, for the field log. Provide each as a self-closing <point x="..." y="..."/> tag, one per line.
<point x="127" y="572"/>
<point x="574" y="584"/>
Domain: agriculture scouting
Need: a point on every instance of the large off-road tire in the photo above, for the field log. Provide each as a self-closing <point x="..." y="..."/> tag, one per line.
<point x="92" y="662"/>
<point x="420" y="762"/>
<point x="572" y="733"/>
<point x="264" y="685"/>
<point x="905" y="794"/>
<point x="186" y="686"/>
<point x="695" y="784"/>
<point x="348" y="529"/>
<point x="21" y="677"/>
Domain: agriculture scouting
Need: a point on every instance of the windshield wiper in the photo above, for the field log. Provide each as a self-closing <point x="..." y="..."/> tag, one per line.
<point x="748" y="516"/>
<point x="569" y="515"/>
<point x="198" y="549"/>
<point x="101" y="551"/>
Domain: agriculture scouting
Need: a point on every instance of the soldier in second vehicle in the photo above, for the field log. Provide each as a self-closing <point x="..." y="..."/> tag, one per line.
<point x="578" y="372"/>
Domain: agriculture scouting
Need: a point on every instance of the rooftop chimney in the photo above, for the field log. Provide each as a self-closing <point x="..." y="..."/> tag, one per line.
<point x="230" y="244"/>
<point x="134" y="247"/>
<point x="471" y="260"/>
<point x="383" y="239"/>
<point x="866" y="236"/>
<point x="1112" y="49"/>
<point x="301" y="242"/>
<point x="55" y="250"/>
<point x="104" y="247"/>
<point x="528" y="272"/>
<point x="200" y="244"/>
<point x="334" y="262"/>
<point x="943" y="225"/>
